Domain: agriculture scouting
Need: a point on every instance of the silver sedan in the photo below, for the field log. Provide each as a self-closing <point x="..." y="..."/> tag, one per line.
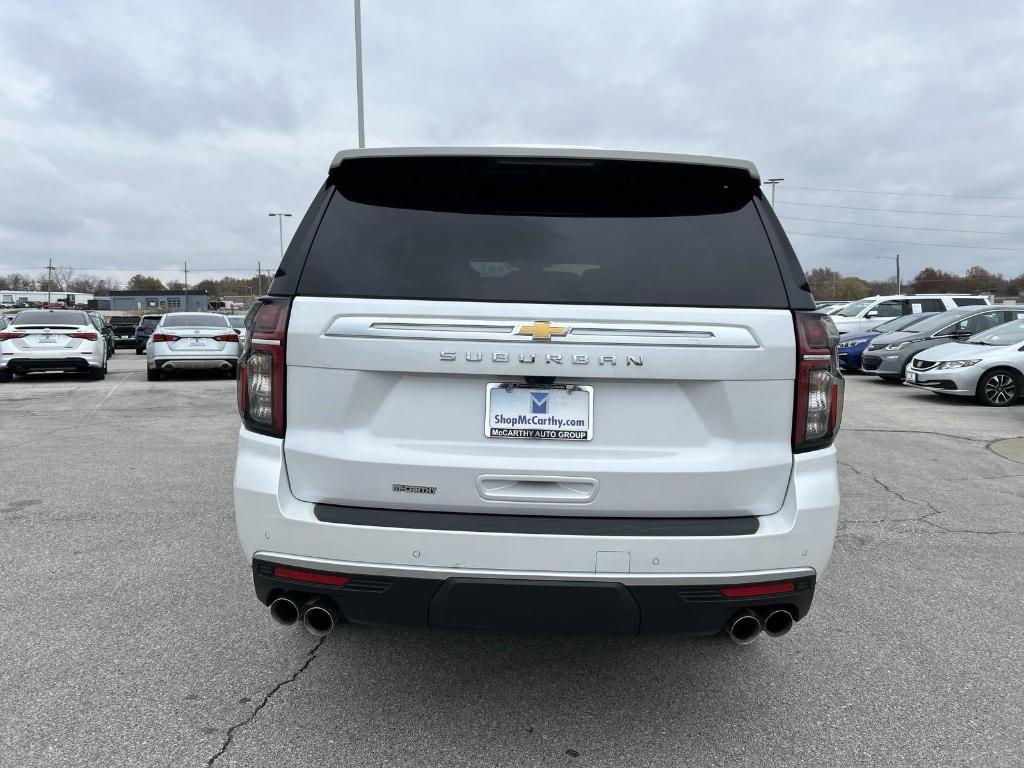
<point x="185" y="341"/>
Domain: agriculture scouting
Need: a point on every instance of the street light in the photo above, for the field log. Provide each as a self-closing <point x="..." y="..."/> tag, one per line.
<point x="280" y="235"/>
<point x="359" y="71"/>
<point x="773" y="182"/>
<point x="899" y="283"/>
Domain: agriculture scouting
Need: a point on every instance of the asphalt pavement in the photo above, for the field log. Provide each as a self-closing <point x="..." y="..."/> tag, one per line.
<point x="130" y="635"/>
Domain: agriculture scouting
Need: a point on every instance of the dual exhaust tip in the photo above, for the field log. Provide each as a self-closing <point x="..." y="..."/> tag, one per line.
<point x="318" y="615"/>
<point x="745" y="626"/>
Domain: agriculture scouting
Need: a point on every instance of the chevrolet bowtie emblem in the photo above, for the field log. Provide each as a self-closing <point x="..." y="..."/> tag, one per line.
<point x="541" y="330"/>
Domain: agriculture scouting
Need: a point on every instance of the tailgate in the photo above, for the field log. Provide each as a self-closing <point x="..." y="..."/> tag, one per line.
<point x="691" y="407"/>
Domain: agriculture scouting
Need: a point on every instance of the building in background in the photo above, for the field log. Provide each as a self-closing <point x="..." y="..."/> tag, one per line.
<point x="159" y="301"/>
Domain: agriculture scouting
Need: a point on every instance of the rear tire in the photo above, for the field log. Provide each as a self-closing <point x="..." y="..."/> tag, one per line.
<point x="152" y="374"/>
<point x="6" y="375"/>
<point x="233" y="373"/>
<point x="999" y="388"/>
<point x="139" y="351"/>
<point x="98" y="374"/>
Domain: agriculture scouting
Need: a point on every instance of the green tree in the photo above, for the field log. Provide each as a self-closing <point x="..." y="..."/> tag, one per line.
<point x="823" y="282"/>
<point x="931" y="280"/>
<point x="145" y="283"/>
<point x="851" y="289"/>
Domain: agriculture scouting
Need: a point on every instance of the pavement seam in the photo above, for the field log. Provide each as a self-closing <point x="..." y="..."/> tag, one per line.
<point x="925" y="518"/>
<point x="230" y="735"/>
<point x="919" y="432"/>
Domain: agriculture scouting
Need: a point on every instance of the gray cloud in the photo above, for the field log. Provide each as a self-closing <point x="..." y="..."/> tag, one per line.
<point x="137" y="137"/>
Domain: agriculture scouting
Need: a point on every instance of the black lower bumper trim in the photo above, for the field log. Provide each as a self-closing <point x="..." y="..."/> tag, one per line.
<point x="524" y="605"/>
<point x="51" y="364"/>
<point x="553" y="525"/>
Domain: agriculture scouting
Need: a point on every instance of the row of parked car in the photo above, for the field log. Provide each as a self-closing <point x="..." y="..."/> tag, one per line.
<point x="78" y="341"/>
<point x="976" y="350"/>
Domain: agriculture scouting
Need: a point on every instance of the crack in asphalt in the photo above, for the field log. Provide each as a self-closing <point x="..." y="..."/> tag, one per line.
<point x="919" y="432"/>
<point x="230" y="735"/>
<point x="925" y="518"/>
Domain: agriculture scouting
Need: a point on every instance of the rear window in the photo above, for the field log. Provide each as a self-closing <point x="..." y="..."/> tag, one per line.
<point x="124" y="319"/>
<point x="195" y="321"/>
<point x="237" y="321"/>
<point x="50" y="317"/>
<point x="546" y="231"/>
<point x="969" y="301"/>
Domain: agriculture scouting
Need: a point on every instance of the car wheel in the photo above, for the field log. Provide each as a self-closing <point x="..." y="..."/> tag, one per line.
<point x="112" y="352"/>
<point x="233" y="373"/>
<point x="98" y="374"/>
<point x="139" y="351"/>
<point x="6" y="376"/>
<point x="152" y="374"/>
<point x="999" y="387"/>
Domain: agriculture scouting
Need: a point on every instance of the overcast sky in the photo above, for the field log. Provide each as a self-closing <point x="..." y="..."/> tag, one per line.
<point x="136" y="136"/>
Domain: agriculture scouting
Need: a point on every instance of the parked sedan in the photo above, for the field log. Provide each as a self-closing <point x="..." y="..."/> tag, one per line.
<point x="889" y="354"/>
<point x="52" y="340"/>
<point x="106" y="331"/>
<point x="988" y="366"/>
<point x="852" y="347"/>
<point x="192" y="341"/>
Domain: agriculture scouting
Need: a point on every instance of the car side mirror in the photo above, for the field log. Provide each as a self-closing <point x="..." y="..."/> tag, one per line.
<point x="872" y="313"/>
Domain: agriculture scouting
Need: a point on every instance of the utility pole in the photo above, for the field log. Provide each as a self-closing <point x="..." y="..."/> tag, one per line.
<point x="359" y="72"/>
<point x="773" y="182"/>
<point x="259" y="278"/>
<point x="49" y="280"/>
<point x="899" y="281"/>
<point x="186" y="287"/>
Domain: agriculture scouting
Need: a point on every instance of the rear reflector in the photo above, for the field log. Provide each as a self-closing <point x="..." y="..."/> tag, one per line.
<point x="757" y="590"/>
<point x="311" y="577"/>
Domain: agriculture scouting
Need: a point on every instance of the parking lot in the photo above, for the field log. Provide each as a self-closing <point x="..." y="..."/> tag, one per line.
<point x="131" y="635"/>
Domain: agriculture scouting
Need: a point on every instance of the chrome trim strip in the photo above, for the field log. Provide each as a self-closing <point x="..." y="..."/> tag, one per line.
<point x="426" y="572"/>
<point x="586" y="333"/>
<point x="267" y="342"/>
<point x="817" y="357"/>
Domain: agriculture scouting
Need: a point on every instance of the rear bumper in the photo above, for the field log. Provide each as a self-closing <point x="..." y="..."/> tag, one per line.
<point x="502" y="604"/>
<point x="51" y="363"/>
<point x="185" y="363"/>
<point x="795" y="542"/>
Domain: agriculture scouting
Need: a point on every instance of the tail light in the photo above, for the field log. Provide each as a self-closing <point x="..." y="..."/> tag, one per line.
<point x="163" y="337"/>
<point x="818" y="408"/>
<point x="87" y="335"/>
<point x="261" y="370"/>
<point x="5" y="335"/>
<point x="226" y="337"/>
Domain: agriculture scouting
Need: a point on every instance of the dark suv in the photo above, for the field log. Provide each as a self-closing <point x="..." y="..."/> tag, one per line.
<point x="144" y="331"/>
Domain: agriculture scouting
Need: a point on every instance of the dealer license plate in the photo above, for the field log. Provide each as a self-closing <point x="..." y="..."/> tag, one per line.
<point x="545" y="413"/>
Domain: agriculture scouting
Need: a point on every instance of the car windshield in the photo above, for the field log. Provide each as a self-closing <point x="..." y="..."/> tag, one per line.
<point x="237" y="321"/>
<point x="852" y="310"/>
<point x="195" y="321"/>
<point x="1001" y="336"/>
<point x="903" y="322"/>
<point x="941" y="320"/>
<point x="50" y="317"/>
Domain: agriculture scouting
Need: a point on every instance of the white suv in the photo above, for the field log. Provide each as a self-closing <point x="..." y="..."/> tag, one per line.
<point x="560" y="390"/>
<point x="865" y="314"/>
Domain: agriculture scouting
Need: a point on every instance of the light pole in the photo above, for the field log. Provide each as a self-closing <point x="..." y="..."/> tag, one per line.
<point x="773" y="182"/>
<point x="899" y="282"/>
<point x="280" y="237"/>
<point x="359" y="72"/>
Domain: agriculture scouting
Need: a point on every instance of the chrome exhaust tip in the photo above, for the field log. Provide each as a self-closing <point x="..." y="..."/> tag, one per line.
<point x="224" y="366"/>
<point x="744" y="627"/>
<point x="319" y="617"/>
<point x="284" y="610"/>
<point x="778" y="622"/>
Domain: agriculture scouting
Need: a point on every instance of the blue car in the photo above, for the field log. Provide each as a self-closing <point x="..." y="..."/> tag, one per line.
<point x="851" y="347"/>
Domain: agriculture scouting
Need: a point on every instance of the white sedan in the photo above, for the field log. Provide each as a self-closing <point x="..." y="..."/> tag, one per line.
<point x="187" y="341"/>
<point x="52" y="340"/>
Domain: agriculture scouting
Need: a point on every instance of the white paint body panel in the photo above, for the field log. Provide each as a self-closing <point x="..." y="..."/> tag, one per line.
<point x="271" y="521"/>
<point x="702" y="428"/>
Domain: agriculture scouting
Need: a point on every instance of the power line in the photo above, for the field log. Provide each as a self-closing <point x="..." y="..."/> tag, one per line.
<point x="909" y="242"/>
<point x="904" y="226"/>
<point x="902" y="210"/>
<point x="915" y="194"/>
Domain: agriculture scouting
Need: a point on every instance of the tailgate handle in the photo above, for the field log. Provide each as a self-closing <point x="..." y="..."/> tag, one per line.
<point x="546" y="488"/>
